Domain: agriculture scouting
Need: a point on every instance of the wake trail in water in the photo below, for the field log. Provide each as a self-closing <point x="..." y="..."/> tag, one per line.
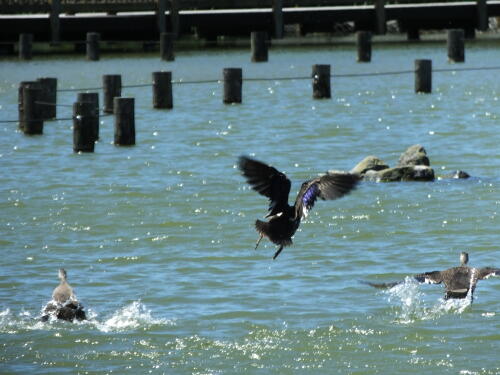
<point x="411" y="304"/>
<point x="130" y="317"/>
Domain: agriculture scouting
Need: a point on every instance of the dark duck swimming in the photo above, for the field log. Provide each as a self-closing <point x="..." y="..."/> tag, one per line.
<point x="458" y="281"/>
<point x="284" y="219"/>
<point x="64" y="304"/>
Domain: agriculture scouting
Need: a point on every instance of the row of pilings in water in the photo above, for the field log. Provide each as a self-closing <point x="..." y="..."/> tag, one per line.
<point x="259" y="43"/>
<point x="37" y="101"/>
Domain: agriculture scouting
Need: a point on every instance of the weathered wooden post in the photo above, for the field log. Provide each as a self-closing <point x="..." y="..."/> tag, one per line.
<point x="423" y="76"/>
<point x="92" y="48"/>
<point x="380" y="21"/>
<point x="278" y="18"/>
<point x="174" y="17"/>
<point x="167" y="46"/>
<point x="84" y="118"/>
<point x="233" y="82"/>
<point x="162" y="22"/>
<point x="20" y="102"/>
<point x="482" y="15"/>
<point x="92" y="97"/>
<point x="31" y="121"/>
<point x="321" y="81"/>
<point x="258" y="44"/>
<point x="48" y="98"/>
<point x="413" y="34"/>
<point x="162" y="90"/>
<point x="364" y="44"/>
<point x="112" y="87"/>
<point x="55" y="24"/>
<point x="456" y="45"/>
<point x="124" y="121"/>
<point x="25" y="46"/>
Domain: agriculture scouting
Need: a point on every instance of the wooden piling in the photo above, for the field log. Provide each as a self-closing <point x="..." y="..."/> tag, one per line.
<point x="25" y="46"/>
<point x="55" y="23"/>
<point x="92" y="48"/>
<point x="167" y="46"/>
<point x="278" y="19"/>
<point x="364" y="44"/>
<point x="380" y="17"/>
<point x="174" y="17"/>
<point x="124" y="121"/>
<point x="48" y="98"/>
<point x="20" y="102"/>
<point x="31" y="119"/>
<point x="112" y="87"/>
<point x="321" y="81"/>
<point x="233" y="81"/>
<point x="413" y="34"/>
<point x="258" y="44"/>
<point x="92" y="97"/>
<point x="423" y="76"/>
<point x="162" y="90"/>
<point x="84" y="117"/>
<point x="482" y="15"/>
<point x="162" y="22"/>
<point x="456" y="45"/>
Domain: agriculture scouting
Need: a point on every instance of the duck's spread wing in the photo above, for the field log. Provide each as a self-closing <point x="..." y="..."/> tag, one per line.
<point x="268" y="181"/>
<point x="486" y="272"/>
<point x="434" y="277"/>
<point x="382" y="285"/>
<point x="329" y="186"/>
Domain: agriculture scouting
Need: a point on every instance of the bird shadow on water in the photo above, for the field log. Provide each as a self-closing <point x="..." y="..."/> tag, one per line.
<point x="411" y="305"/>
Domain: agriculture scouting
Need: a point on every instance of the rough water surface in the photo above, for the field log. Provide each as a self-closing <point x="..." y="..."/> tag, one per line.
<point x="158" y="238"/>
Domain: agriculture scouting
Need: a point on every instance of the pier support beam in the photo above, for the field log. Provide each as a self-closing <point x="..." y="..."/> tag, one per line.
<point x="93" y="98"/>
<point x="112" y="84"/>
<point x="456" y="45"/>
<point x="92" y="47"/>
<point x="124" y="121"/>
<point x="482" y="15"/>
<point x="364" y="44"/>
<point x="48" y="98"/>
<point x="84" y="118"/>
<point x="31" y="121"/>
<point x="162" y="22"/>
<point x="55" y="24"/>
<point x="162" y="90"/>
<point x="321" y="81"/>
<point x="174" y="17"/>
<point x="423" y="76"/>
<point x="278" y="18"/>
<point x="380" y="17"/>
<point x="233" y="82"/>
<point x="25" y="46"/>
<point x="258" y="44"/>
<point x="167" y="46"/>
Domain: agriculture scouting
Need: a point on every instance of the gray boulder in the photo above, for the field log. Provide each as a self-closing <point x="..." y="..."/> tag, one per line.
<point x="414" y="155"/>
<point x="406" y="173"/>
<point x="370" y="163"/>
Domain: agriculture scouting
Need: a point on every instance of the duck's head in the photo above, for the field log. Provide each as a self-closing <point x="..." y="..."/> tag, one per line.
<point x="62" y="274"/>
<point x="464" y="258"/>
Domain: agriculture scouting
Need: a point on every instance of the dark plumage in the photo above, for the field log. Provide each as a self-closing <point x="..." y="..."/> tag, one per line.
<point x="457" y="280"/>
<point x="283" y="218"/>
<point x="64" y="304"/>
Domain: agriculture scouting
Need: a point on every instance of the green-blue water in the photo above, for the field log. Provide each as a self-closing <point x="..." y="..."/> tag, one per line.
<point x="158" y="238"/>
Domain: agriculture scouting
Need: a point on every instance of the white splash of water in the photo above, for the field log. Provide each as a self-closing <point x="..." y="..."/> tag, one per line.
<point x="412" y="306"/>
<point x="131" y="316"/>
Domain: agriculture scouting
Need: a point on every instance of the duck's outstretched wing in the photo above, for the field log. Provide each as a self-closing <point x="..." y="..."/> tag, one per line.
<point x="434" y="277"/>
<point x="484" y="273"/>
<point x="268" y="181"/>
<point x="329" y="186"/>
<point x="382" y="285"/>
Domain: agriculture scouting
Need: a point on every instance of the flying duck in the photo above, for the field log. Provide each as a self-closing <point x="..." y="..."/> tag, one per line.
<point x="64" y="304"/>
<point x="283" y="218"/>
<point x="457" y="280"/>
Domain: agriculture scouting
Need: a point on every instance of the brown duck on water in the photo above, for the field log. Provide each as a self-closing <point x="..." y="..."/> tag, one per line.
<point x="457" y="280"/>
<point x="283" y="218"/>
<point x="64" y="304"/>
